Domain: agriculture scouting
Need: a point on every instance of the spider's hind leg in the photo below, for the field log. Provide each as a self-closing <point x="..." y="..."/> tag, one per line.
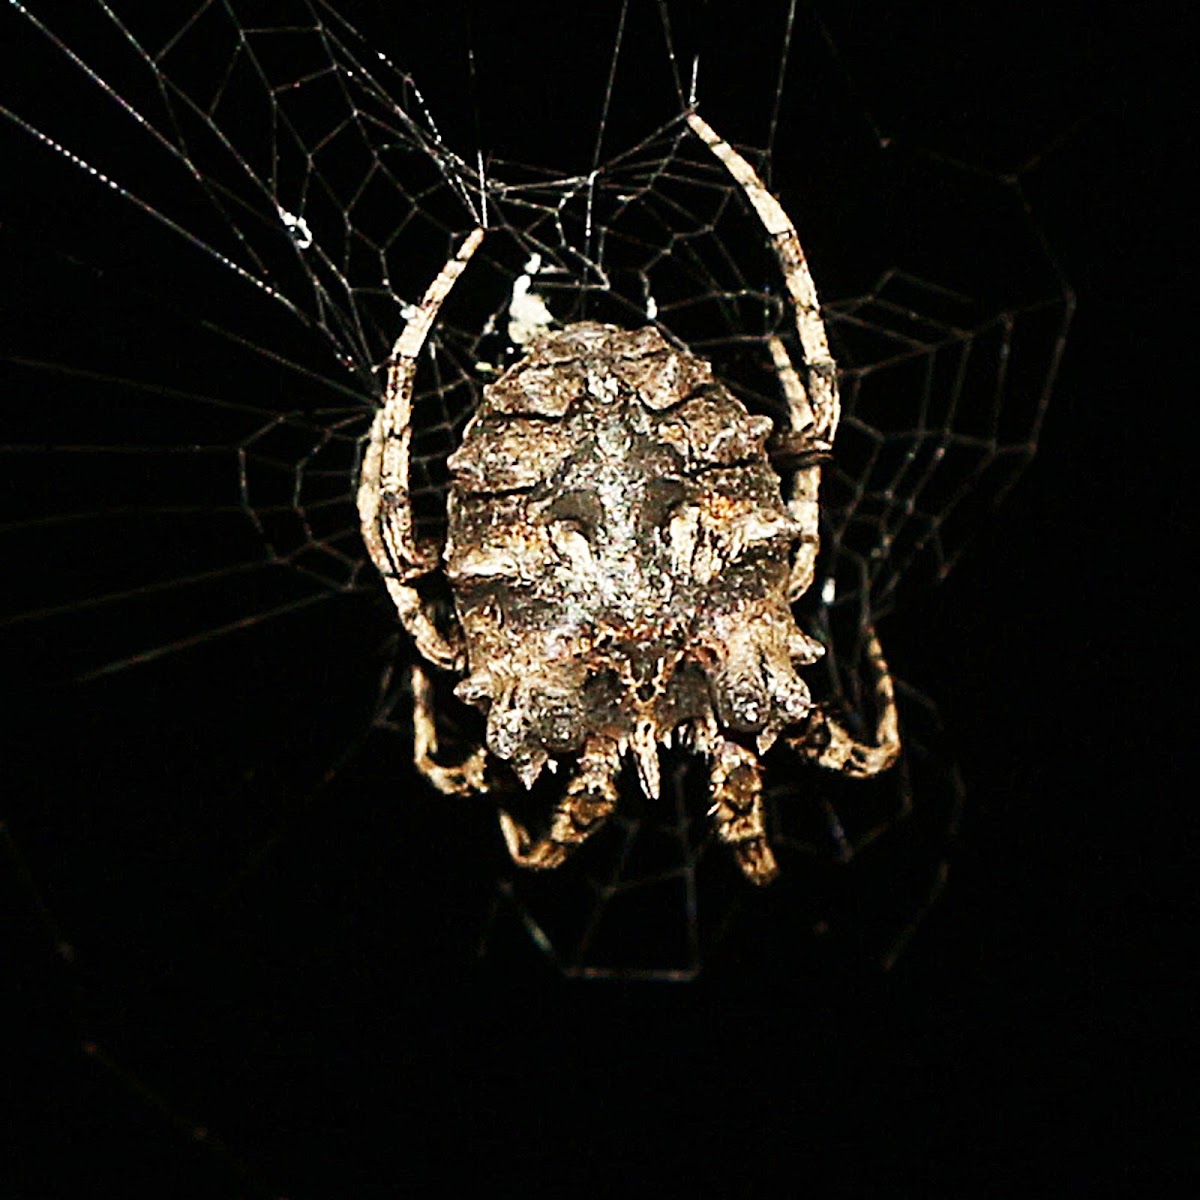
<point x="590" y="797"/>
<point x="737" y="810"/>
<point x="460" y="779"/>
<point x="829" y="744"/>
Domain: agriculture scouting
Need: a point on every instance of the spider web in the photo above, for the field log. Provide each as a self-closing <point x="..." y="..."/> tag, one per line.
<point x="228" y="210"/>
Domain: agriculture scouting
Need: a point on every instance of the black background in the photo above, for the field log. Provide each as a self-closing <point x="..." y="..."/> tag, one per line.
<point x="327" y="1029"/>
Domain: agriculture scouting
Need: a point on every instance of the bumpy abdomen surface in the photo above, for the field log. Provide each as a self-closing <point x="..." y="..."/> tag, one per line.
<point x="619" y="548"/>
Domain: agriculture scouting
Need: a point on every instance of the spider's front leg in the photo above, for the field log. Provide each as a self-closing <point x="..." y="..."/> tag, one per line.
<point x="384" y="497"/>
<point x="814" y="409"/>
<point x="590" y="797"/>
<point x="737" y="811"/>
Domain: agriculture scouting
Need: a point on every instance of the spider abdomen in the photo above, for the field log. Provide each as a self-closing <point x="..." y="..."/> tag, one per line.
<point x="619" y="553"/>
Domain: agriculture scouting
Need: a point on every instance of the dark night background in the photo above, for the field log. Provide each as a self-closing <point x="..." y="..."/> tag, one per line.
<point x="327" y="1024"/>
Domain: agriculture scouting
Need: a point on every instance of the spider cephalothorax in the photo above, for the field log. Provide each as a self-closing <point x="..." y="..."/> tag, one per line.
<point x="624" y="560"/>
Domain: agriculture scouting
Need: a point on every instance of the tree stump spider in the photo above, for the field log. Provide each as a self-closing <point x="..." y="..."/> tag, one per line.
<point x="624" y="560"/>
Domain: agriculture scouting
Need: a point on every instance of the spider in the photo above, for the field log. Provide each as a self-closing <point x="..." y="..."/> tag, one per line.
<point x="623" y="559"/>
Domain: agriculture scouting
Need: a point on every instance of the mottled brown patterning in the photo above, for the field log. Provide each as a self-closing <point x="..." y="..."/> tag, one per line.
<point x="624" y="560"/>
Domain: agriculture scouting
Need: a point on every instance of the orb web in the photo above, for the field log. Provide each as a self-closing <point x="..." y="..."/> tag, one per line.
<point x="283" y="192"/>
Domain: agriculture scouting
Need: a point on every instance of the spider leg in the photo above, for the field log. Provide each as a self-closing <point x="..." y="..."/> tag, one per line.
<point x="462" y="779"/>
<point x="814" y="409"/>
<point x="829" y="744"/>
<point x="813" y="406"/>
<point x="802" y="498"/>
<point x="820" y="397"/>
<point x="384" y="498"/>
<point x="590" y="797"/>
<point x="737" y="811"/>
